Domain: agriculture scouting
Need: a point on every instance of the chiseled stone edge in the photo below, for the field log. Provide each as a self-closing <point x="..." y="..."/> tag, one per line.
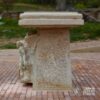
<point x="59" y="22"/>
<point x="51" y="15"/>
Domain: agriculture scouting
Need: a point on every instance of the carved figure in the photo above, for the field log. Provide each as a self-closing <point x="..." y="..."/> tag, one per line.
<point x="26" y="52"/>
<point x="25" y="65"/>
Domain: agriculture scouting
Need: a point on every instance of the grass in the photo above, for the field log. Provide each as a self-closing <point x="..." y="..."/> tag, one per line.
<point x="89" y="31"/>
<point x="8" y="46"/>
<point x="10" y="30"/>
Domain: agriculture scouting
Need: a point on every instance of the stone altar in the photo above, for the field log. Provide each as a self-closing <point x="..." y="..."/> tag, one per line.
<point x="45" y="53"/>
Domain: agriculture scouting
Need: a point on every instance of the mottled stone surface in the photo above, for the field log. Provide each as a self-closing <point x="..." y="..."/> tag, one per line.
<point x="26" y="52"/>
<point x="47" y="51"/>
<point x="25" y="65"/>
<point x="52" y="68"/>
<point x="45" y="60"/>
<point x="50" y="19"/>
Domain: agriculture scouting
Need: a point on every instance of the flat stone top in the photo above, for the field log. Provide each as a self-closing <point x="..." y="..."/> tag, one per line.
<point x="50" y="19"/>
<point x="51" y="15"/>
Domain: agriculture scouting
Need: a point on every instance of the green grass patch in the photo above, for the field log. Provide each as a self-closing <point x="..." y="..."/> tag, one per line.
<point x="10" y="30"/>
<point x="8" y="46"/>
<point x="89" y="31"/>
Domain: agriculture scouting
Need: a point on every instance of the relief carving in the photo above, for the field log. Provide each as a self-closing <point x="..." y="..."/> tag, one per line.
<point x="26" y="49"/>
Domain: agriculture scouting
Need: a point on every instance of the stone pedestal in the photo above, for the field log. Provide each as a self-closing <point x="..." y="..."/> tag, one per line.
<point x="45" y="55"/>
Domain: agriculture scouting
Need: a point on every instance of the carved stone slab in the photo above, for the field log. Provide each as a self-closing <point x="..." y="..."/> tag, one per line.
<point x="50" y="19"/>
<point x="46" y="54"/>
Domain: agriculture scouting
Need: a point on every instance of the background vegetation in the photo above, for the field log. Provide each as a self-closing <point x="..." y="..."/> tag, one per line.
<point x="10" y="32"/>
<point x="56" y="4"/>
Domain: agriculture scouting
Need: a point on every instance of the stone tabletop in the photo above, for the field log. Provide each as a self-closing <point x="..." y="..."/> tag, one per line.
<point x="51" y="19"/>
<point x="50" y="15"/>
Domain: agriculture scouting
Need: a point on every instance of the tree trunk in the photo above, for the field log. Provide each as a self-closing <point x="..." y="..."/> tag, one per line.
<point x="61" y="5"/>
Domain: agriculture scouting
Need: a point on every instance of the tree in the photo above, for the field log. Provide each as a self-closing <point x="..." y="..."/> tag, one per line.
<point x="7" y="5"/>
<point x="60" y="5"/>
<point x="93" y="3"/>
<point x="44" y="1"/>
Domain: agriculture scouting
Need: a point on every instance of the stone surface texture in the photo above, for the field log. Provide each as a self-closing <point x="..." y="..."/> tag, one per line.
<point x="45" y="55"/>
<point x="51" y="19"/>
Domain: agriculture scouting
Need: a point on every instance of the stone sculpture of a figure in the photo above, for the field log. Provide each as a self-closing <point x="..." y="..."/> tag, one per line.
<point x="26" y="52"/>
<point x="25" y="65"/>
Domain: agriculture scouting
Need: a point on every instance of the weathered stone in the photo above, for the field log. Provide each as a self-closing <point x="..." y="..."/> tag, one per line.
<point x="25" y="65"/>
<point x="52" y="62"/>
<point x="26" y="50"/>
<point x="46" y="57"/>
